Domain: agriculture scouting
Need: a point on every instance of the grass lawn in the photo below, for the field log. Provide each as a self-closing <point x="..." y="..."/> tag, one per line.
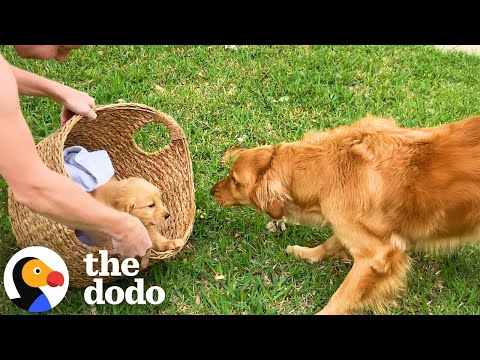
<point x="250" y="96"/>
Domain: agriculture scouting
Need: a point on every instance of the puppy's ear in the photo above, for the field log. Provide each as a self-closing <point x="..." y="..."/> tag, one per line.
<point x="124" y="204"/>
<point x="130" y="205"/>
<point x="231" y="154"/>
<point x="123" y="199"/>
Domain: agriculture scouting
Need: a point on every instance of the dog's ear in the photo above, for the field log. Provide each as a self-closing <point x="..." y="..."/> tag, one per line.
<point x="275" y="209"/>
<point x="130" y="205"/>
<point x="124" y="204"/>
<point x="121" y="198"/>
<point x="231" y="154"/>
<point x="268" y="194"/>
<point x="263" y="158"/>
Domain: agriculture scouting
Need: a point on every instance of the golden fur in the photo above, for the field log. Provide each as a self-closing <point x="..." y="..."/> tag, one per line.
<point x="141" y="199"/>
<point x="383" y="189"/>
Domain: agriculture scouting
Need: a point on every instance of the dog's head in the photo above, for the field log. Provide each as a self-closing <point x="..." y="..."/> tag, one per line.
<point x="252" y="180"/>
<point x="141" y="199"/>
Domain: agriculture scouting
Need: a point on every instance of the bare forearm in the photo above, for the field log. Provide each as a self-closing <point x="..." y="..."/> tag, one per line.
<point x="73" y="101"/>
<point x="49" y="193"/>
<point x="46" y="195"/>
<point x="34" y="85"/>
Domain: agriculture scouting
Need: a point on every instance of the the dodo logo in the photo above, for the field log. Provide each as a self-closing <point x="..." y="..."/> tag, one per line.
<point x="36" y="279"/>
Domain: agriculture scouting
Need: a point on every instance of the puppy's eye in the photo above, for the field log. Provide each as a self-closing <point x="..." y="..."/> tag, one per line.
<point x="151" y="205"/>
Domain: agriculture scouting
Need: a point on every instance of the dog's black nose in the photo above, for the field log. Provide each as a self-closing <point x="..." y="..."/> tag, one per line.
<point x="212" y="191"/>
<point x="167" y="215"/>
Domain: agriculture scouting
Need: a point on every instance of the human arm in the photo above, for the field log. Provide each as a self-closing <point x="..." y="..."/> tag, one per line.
<point x="73" y="101"/>
<point x="51" y="194"/>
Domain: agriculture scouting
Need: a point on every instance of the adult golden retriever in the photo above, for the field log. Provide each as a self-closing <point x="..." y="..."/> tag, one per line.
<point x="383" y="189"/>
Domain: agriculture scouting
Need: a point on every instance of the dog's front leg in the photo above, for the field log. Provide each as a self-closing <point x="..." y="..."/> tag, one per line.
<point x="332" y="247"/>
<point x="379" y="271"/>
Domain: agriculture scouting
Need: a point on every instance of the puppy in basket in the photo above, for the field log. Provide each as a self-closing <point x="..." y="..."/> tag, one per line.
<point x="141" y="199"/>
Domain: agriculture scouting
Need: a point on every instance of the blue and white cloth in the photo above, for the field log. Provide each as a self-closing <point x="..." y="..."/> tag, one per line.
<point x="89" y="170"/>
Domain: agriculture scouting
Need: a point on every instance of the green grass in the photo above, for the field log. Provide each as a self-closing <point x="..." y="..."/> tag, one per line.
<point x="256" y="95"/>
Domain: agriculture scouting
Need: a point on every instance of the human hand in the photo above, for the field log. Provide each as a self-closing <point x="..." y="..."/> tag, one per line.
<point x="133" y="242"/>
<point x="76" y="102"/>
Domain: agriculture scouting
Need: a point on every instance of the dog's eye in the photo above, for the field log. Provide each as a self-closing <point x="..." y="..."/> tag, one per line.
<point x="151" y="205"/>
<point x="233" y="179"/>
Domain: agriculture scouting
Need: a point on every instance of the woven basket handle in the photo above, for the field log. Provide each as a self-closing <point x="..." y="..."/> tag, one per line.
<point x="176" y="132"/>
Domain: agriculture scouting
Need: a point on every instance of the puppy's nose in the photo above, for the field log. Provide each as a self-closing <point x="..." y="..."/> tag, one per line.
<point x="212" y="191"/>
<point x="167" y="215"/>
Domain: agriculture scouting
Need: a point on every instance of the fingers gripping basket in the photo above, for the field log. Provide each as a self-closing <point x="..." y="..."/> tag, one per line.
<point x="170" y="169"/>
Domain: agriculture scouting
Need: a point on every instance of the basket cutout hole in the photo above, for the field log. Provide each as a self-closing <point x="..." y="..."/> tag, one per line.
<point x="152" y="137"/>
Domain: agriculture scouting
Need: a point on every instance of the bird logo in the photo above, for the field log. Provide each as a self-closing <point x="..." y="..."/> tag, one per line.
<point x="36" y="279"/>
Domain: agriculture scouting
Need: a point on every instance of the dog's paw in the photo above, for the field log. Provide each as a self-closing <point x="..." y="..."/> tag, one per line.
<point x="295" y="250"/>
<point x="168" y="245"/>
<point x="178" y="242"/>
<point x="302" y="252"/>
<point x="326" y="311"/>
<point x="165" y="245"/>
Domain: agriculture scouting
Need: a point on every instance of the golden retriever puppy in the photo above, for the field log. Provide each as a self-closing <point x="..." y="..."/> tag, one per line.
<point x="141" y="199"/>
<point x="384" y="190"/>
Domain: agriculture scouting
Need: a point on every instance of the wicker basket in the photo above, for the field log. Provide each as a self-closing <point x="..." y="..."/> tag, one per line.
<point x="170" y="169"/>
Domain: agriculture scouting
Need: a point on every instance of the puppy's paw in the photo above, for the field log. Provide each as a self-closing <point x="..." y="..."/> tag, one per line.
<point x="167" y="245"/>
<point x="178" y="242"/>
<point x="164" y="245"/>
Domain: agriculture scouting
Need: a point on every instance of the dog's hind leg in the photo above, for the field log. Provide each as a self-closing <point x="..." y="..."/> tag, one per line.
<point x="378" y="273"/>
<point x="332" y="247"/>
